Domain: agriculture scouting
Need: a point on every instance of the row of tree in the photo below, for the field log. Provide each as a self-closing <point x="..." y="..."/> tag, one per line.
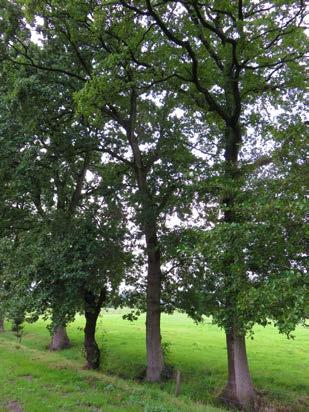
<point x="159" y="137"/>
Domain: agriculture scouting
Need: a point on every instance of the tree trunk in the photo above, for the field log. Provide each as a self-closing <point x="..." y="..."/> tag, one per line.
<point x="92" y="311"/>
<point x="155" y="361"/>
<point x="1" y="325"/>
<point x="149" y="224"/>
<point x="239" y="391"/>
<point x="60" y="339"/>
<point x="91" y="347"/>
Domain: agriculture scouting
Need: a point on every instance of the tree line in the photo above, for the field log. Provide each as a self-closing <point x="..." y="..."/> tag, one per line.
<point x="153" y="156"/>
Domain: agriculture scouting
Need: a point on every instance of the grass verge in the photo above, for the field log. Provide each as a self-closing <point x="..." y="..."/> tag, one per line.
<point x="34" y="381"/>
<point x="280" y="367"/>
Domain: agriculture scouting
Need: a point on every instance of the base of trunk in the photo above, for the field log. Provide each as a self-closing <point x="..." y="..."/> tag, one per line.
<point x="153" y="374"/>
<point x="155" y="361"/>
<point x="60" y="339"/>
<point x="239" y="391"/>
<point x="232" y="400"/>
<point x="1" y="325"/>
<point x="92" y="356"/>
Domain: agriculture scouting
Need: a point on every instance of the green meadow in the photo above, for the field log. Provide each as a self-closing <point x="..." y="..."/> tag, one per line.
<point x="32" y="379"/>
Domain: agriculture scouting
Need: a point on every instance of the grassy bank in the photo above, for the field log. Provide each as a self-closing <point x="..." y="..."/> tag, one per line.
<point x="280" y="367"/>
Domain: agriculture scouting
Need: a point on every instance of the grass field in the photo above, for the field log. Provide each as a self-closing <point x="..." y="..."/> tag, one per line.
<point x="39" y="380"/>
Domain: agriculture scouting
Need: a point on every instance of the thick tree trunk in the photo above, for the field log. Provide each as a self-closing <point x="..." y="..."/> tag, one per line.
<point x="92" y="350"/>
<point x="239" y="391"/>
<point x="155" y="361"/>
<point x="60" y="339"/>
<point x="1" y="325"/>
<point x="149" y="224"/>
<point x="92" y="310"/>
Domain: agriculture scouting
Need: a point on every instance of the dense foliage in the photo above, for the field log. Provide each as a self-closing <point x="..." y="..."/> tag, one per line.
<point x="159" y="137"/>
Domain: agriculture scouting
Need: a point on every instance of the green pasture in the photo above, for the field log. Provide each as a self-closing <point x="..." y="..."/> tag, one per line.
<point x="39" y="380"/>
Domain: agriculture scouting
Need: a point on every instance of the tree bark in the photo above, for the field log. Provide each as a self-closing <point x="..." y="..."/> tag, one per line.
<point x="1" y="325"/>
<point x="239" y="391"/>
<point x="149" y="223"/>
<point x="155" y="361"/>
<point x="60" y="339"/>
<point x="91" y="347"/>
<point x="92" y="311"/>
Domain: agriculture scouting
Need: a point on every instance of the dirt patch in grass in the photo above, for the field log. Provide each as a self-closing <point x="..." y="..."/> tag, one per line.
<point x="299" y="405"/>
<point x="90" y="407"/>
<point x="14" y="406"/>
<point x="28" y="378"/>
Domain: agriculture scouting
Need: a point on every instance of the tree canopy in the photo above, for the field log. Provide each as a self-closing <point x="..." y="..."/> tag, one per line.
<point x="159" y="136"/>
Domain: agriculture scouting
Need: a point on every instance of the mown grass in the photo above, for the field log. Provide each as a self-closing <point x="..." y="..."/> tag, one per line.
<point x="280" y="367"/>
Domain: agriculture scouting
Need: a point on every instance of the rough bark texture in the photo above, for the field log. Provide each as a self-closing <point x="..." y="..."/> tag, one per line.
<point x="239" y="391"/>
<point x="149" y="224"/>
<point x="91" y="347"/>
<point x="60" y="339"/>
<point x="1" y="325"/>
<point x="92" y="311"/>
<point x="153" y="335"/>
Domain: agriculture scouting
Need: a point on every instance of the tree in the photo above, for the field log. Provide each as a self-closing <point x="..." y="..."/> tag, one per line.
<point x="157" y="176"/>
<point x="143" y="121"/>
<point x="118" y="97"/>
<point x="237" y="61"/>
<point x="236" y="70"/>
<point x="70" y="255"/>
